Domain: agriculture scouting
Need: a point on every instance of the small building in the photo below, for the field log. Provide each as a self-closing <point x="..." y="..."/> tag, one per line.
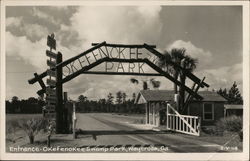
<point x="231" y="109"/>
<point x="210" y="109"/>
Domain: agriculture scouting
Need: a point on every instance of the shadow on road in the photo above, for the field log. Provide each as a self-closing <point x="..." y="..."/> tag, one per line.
<point x="118" y="132"/>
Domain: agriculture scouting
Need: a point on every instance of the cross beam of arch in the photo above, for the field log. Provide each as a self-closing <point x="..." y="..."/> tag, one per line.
<point x="100" y="53"/>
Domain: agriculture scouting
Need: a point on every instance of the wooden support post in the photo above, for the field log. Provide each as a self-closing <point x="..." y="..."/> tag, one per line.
<point x="191" y="96"/>
<point x="40" y="81"/>
<point x="65" y="113"/>
<point x="59" y="94"/>
<point x="48" y="140"/>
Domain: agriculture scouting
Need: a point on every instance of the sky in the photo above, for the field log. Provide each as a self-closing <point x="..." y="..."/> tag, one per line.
<point x="212" y="34"/>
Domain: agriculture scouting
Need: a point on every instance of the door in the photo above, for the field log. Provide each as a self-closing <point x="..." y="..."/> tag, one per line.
<point x="147" y="113"/>
<point x="163" y="117"/>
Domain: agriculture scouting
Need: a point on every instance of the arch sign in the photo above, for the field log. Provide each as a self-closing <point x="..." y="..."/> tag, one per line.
<point x="110" y="59"/>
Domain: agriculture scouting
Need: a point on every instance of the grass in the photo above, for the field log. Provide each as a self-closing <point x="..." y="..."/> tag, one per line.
<point x="21" y="116"/>
<point x="230" y="139"/>
<point x="13" y="132"/>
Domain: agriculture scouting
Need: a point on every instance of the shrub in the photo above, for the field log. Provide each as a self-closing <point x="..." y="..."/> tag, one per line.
<point x="11" y="129"/>
<point x="210" y="130"/>
<point x="33" y="126"/>
<point x="232" y="123"/>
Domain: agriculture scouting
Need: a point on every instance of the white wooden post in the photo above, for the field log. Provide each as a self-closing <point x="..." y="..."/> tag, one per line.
<point x="179" y="124"/>
<point x="74" y="120"/>
<point x="199" y="126"/>
<point x="191" y="123"/>
<point x="195" y="124"/>
<point x="167" y="117"/>
<point x="176" y="122"/>
<point x="170" y="121"/>
<point x="146" y="119"/>
<point x="183" y="125"/>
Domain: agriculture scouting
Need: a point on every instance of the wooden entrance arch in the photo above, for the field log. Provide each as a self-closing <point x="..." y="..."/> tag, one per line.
<point x="134" y="56"/>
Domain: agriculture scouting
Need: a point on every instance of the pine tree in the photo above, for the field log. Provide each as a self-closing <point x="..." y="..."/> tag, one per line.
<point x="223" y="93"/>
<point x="234" y="96"/>
<point x="110" y="101"/>
<point x="118" y="100"/>
<point x="133" y="97"/>
<point x="124" y="96"/>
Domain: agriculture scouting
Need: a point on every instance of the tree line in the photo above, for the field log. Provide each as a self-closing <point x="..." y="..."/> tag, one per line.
<point x="30" y="105"/>
<point x="117" y="104"/>
<point x="232" y="95"/>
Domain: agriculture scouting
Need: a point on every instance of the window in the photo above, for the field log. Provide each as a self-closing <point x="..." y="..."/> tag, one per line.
<point x="208" y="111"/>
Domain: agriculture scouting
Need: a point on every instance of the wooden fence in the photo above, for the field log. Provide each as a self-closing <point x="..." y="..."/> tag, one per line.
<point x="182" y="123"/>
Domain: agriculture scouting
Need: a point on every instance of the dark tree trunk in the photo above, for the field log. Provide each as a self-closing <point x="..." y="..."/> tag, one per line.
<point x="145" y="85"/>
<point x="182" y="93"/>
<point x="175" y="85"/>
<point x="31" y="138"/>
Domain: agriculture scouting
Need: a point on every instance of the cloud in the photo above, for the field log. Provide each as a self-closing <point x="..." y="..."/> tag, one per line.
<point x="35" y="31"/>
<point x="13" y="21"/>
<point x="44" y="16"/>
<point x="204" y="57"/>
<point x="17" y="26"/>
<point x="220" y="77"/>
<point x="114" y="24"/>
<point x="126" y="25"/>
<point x="117" y="24"/>
<point x="215" y="77"/>
<point x="31" y="52"/>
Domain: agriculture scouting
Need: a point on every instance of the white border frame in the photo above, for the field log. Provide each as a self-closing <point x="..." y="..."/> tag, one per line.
<point x="132" y="156"/>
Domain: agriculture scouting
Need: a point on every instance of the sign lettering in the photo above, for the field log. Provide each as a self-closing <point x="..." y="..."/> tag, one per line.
<point x="51" y="54"/>
<point x="73" y="67"/>
<point x="51" y="64"/>
<point x="51" y="42"/>
<point x="51" y="73"/>
<point x="50" y="115"/>
<point x="131" y="67"/>
<point x="133" y="60"/>
<point x="51" y="82"/>
<point x="140" y="67"/>
<point x="120" y="66"/>
<point x="109" y="67"/>
<point x="51" y="107"/>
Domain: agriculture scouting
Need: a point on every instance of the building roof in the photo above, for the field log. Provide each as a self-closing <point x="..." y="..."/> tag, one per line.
<point x="235" y="107"/>
<point x="168" y="95"/>
<point x="157" y="95"/>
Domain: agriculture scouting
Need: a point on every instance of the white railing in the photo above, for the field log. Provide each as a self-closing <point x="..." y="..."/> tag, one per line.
<point x="182" y="123"/>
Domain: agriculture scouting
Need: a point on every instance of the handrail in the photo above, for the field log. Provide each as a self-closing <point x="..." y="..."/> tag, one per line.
<point x="124" y="46"/>
<point x="196" y="117"/>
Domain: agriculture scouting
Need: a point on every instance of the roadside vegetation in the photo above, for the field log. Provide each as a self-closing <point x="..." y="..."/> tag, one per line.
<point x="18" y="127"/>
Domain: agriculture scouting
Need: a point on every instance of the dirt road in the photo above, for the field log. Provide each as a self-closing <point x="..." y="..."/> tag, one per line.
<point x="104" y="130"/>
